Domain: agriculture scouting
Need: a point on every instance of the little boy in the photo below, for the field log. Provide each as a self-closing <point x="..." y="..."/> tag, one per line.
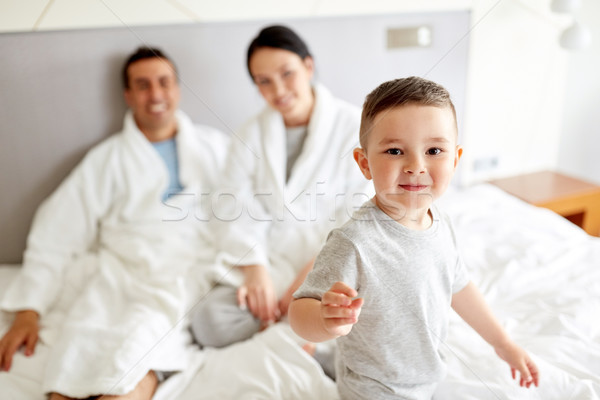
<point x="395" y="263"/>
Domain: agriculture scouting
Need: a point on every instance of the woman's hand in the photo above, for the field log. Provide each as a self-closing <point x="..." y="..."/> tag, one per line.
<point x="257" y="293"/>
<point x="23" y="332"/>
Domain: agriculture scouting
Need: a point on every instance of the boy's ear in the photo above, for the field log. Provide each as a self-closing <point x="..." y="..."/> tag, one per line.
<point x="457" y="155"/>
<point x="360" y="156"/>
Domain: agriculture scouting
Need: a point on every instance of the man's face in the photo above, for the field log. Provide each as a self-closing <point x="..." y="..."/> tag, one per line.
<point x="153" y="96"/>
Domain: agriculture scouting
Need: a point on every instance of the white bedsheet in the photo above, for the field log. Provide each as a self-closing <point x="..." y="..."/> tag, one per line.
<point x="540" y="274"/>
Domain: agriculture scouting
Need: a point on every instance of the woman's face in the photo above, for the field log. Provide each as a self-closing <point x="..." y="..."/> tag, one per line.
<point x="283" y="79"/>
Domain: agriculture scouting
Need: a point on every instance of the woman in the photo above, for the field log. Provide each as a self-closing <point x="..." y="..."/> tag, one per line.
<point x="292" y="178"/>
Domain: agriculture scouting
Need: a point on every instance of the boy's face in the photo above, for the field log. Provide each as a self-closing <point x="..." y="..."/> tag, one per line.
<point x="411" y="156"/>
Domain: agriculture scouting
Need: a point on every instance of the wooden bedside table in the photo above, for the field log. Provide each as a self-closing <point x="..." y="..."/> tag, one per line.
<point x="574" y="199"/>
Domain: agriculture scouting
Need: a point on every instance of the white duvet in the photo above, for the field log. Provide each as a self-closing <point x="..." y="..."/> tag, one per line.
<point x="540" y="273"/>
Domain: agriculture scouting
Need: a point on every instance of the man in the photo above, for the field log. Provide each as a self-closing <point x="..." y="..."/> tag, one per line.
<point x="108" y="257"/>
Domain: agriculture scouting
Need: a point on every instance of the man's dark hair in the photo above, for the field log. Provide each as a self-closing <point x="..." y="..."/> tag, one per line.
<point x="140" y="54"/>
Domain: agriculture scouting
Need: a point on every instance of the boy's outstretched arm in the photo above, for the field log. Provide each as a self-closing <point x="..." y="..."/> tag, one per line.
<point x="473" y="309"/>
<point x="286" y="299"/>
<point x="328" y="318"/>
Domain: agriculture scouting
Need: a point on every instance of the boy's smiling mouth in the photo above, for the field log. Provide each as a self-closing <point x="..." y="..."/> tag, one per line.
<point x="413" y="188"/>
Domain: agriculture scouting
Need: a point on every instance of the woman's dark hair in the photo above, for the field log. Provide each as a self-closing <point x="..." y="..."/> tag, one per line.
<point x="279" y="37"/>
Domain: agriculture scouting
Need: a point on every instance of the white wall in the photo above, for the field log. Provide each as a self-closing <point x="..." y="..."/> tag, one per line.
<point x="517" y="77"/>
<point x="516" y="80"/>
<point x="580" y="140"/>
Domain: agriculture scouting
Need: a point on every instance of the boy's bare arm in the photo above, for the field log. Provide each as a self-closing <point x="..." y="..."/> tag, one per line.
<point x="328" y="318"/>
<point x="287" y="298"/>
<point x="473" y="309"/>
<point x="305" y="320"/>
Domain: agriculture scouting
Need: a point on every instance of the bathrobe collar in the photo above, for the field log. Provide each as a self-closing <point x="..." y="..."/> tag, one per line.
<point x="143" y="149"/>
<point x="320" y="127"/>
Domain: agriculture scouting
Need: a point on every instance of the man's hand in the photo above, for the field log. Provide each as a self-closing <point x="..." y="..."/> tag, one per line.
<point x="258" y="294"/>
<point x="23" y="332"/>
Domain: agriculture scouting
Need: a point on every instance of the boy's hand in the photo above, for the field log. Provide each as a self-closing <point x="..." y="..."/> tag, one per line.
<point x="338" y="311"/>
<point x="24" y="331"/>
<point x="518" y="359"/>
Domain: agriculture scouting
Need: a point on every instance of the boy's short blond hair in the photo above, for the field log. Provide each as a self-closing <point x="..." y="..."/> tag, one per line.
<point x="400" y="92"/>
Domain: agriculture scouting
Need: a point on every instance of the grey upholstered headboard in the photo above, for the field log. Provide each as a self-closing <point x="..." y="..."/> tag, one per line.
<point x="60" y="91"/>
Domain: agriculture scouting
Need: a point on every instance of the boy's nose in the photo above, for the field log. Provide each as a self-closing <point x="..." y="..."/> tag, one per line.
<point x="415" y="166"/>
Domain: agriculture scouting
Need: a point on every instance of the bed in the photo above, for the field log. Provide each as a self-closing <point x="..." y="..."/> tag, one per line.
<point x="539" y="272"/>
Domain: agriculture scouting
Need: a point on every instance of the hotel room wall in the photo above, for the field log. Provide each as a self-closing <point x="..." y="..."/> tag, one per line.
<point x="580" y="134"/>
<point x="517" y="73"/>
<point x="517" y="77"/>
<point x="62" y="88"/>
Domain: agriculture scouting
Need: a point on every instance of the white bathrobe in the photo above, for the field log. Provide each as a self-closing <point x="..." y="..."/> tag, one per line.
<point x="107" y="260"/>
<point x="280" y="224"/>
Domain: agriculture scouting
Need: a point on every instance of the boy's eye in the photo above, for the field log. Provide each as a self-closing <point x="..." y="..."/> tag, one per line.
<point x="434" y="152"/>
<point x="287" y="73"/>
<point x="394" y="152"/>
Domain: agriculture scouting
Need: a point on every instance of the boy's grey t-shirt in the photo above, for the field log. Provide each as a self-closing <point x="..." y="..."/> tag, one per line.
<point x="406" y="279"/>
